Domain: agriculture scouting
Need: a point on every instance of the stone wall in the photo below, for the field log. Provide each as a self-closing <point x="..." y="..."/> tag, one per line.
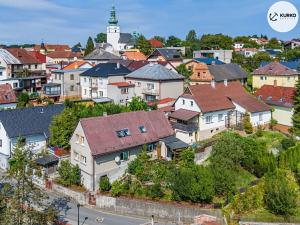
<point x="79" y="197"/>
<point x="166" y="211"/>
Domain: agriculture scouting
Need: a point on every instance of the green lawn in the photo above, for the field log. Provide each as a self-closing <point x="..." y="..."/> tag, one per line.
<point x="272" y="139"/>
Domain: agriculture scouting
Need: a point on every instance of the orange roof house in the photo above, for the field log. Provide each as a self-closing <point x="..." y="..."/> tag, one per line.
<point x="76" y="65"/>
<point x="137" y="56"/>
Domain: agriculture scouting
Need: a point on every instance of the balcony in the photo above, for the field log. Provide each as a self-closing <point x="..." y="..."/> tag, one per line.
<point x="52" y="89"/>
<point x="150" y="91"/>
<point x="190" y="127"/>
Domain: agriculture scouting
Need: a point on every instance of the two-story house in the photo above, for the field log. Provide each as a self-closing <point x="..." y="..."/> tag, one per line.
<point x="275" y="74"/>
<point x="94" y="82"/>
<point x="30" y="124"/>
<point x="155" y="82"/>
<point x="200" y="72"/>
<point x="120" y="92"/>
<point x="213" y="108"/>
<point x="68" y="79"/>
<point x="103" y="146"/>
<point x="170" y="55"/>
<point x="281" y="99"/>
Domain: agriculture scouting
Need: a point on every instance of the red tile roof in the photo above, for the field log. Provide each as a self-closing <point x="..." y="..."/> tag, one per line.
<point x="220" y="97"/>
<point x="23" y="56"/>
<point x="134" y="65"/>
<point x="64" y="54"/>
<point x="134" y="56"/>
<point x="101" y="131"/>
<point x="156" y="43"/>
<point x="184" y="114"/>
<point x="275" y="95"/>
<point x="39" y="56"/>
<point x="53" y="47"/>
<point x="7" y="95"/>
<point x="162" y="101"/>
<point x="274" y="68"/>
<point x="122" y="84"/>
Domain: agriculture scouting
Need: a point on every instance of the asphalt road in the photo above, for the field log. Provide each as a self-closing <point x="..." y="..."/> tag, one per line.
<point x="69" y="211"/>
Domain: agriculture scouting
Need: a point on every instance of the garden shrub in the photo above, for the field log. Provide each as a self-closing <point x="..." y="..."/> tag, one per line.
<point x="287" y="143"/>
<point x="104" y="184"/>
<point x="117" y="188"/>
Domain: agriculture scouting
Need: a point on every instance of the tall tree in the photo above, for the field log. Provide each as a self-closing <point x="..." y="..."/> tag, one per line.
<point x="143" y="45"/>
<point x="296" y="114"/>
<point x="26" y="204"/>
<point x="89" y="46"/>
<point x="191" y="36"/>
<point x="216" y="41"/>
<point x="273" y="44"/>
<point x="173" y="41"/>
<point x="181" y="69"/>
<point x="100" y="38"/>
<point x="160" y="38"/>
<point x="23" y="100"/>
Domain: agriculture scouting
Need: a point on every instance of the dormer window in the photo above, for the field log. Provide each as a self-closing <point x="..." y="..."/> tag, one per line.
<point x="281" y="99"/>
<point x="123" y="133"/>
<point x="142" y="129"/>
<point x="269" y="98"/>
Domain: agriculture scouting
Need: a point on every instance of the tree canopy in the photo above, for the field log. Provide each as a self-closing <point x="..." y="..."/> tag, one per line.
<point x="89" y="46"/>
<point x="100" y="38"/>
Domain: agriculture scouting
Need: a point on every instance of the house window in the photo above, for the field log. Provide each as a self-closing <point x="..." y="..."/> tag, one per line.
<point x="208" y="119"/>
<point x="72" y="77"/>
<point x="124" y="90"/>
<point x="101" y="93"/>
<point x="150" y="147"/>
<point x="84" y="91"/>
<point x="199" y="74"/>
<point x="123" y="133"/>
<point x="183" y="101"/>
<point x="72" y="88"/>
<point x="150" y="86"/>
<point x="84" y="79"/>
<point x="55" y="76"/>
<point x="192" y="103"/>
<point x="83" y="159"/>
<point x="124" y="156"/>
<point x="260" y="117"/>
<point x="220" y="117"/>
<point x="138" y="84"/>
<point x="265" y="77"/>
<point x="29" y="66"/>
<point x="15" y="85"/>
<point x="190" y="134"/>
<point x="190" y="68"/>
<point x="142" y="129"/>
<point x="1" y="73"/>
<point x="261" y="78"/>
<point x="77" y="138"/>
<point x="35" y="66"/>
<point x="59" y="76"/>
<point x="81" y="140"/>
<point x="1" y="143"/>
<point x="76" y="156"/>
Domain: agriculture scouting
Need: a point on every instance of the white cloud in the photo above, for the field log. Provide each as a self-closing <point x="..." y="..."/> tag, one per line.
<point x="31" y="4"/>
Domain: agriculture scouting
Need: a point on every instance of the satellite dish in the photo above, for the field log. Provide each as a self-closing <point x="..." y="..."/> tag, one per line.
<point x="117" y="159"/>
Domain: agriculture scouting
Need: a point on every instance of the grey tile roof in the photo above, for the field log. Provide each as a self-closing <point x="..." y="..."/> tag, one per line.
<point x="106" y="69"/>
<point x="155" y="72"/>
<point x="29" y="121"/>
<point x="8" y="57"/>
<point x="174" y="143"/>
<point x="47" y="160"/>
<point x="170" y="54"/>
<point x="229" y="71"/>
<point x="126" y="38"/>
<point x="100" y="54"/>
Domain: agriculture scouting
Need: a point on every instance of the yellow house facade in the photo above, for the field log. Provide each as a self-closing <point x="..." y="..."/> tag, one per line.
<point x="275" y="74"/>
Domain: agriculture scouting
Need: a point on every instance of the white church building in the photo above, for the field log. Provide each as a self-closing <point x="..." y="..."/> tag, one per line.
<point x="119" y="41"/>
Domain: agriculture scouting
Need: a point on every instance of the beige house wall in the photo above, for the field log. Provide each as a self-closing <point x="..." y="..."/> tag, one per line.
<point x="283" y="115"/>
<point x="284" y="81"/>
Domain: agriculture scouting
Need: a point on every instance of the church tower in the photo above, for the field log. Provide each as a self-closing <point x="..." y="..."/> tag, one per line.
<point x="113" y="30"/>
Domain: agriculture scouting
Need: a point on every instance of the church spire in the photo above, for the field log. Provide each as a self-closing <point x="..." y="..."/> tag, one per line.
<point x="113" y="18"/>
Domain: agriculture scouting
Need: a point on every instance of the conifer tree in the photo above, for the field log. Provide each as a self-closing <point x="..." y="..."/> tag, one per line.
<point x="296" y="114"/>
<point x="89" y="46"/>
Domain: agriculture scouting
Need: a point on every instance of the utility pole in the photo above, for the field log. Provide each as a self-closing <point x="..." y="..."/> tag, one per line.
<point x="78" y="206"/>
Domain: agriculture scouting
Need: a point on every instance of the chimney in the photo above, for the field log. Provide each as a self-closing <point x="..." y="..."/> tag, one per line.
<point x="105" y="114"/>
<point x="225" y="82"/>
<point x="213" y="84"/>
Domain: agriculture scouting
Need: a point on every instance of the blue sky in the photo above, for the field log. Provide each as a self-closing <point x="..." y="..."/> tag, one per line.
<point x="70" y="21"/>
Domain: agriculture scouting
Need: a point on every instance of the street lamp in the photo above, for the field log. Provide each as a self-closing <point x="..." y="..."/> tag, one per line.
<point x="85" y="218"/>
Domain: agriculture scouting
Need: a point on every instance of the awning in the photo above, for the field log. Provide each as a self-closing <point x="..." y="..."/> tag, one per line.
<point x="184" y="114"/>
<point x="47" y="160"/>
<point x="174" y="143"/>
